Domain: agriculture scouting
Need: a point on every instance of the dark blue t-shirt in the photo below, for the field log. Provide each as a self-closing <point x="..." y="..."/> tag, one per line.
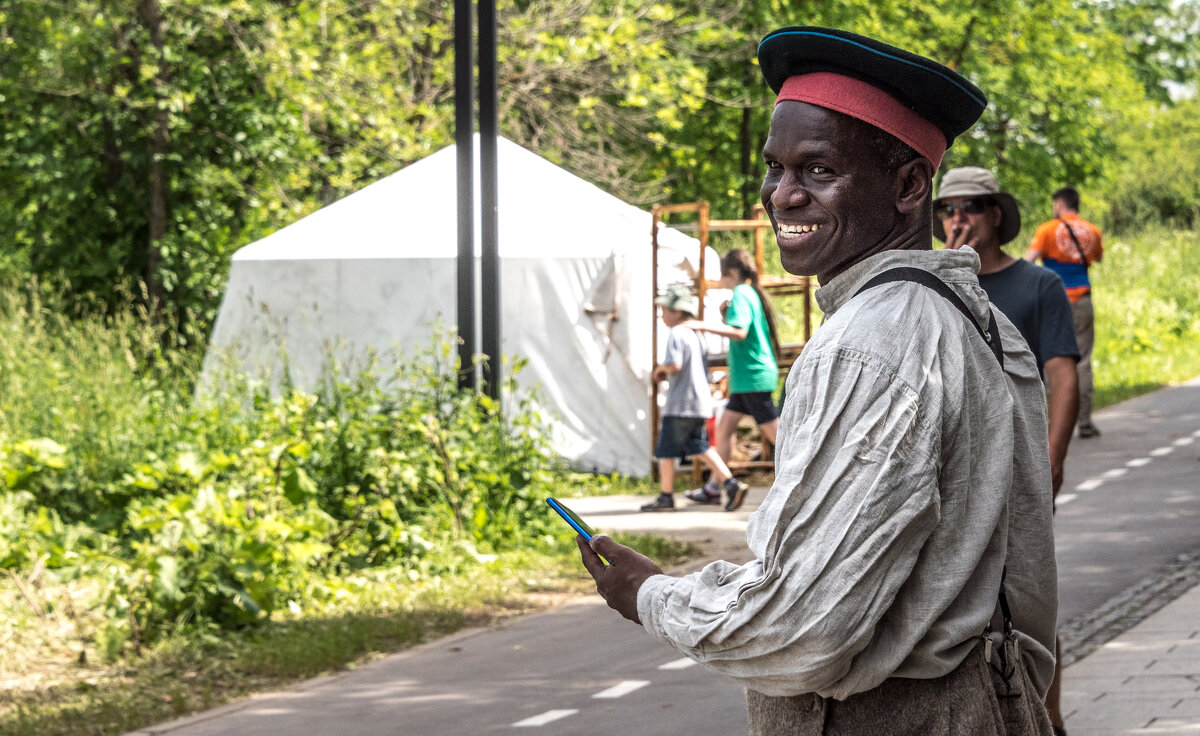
<point x="1034" y="300"/>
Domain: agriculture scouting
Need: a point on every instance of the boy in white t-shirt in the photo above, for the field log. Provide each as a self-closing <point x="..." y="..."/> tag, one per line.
<point x="683" y="431"/>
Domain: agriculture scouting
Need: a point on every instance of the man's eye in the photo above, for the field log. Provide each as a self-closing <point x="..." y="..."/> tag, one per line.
<point x="819" y="169"/>
<point x="774" y="166"/>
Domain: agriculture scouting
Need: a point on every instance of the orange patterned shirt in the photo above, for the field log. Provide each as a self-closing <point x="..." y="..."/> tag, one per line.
<point x="1059" y="253"/>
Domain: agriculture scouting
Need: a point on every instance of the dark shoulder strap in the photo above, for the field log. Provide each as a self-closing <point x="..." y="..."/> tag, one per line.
<point x="927" y="279"/>
<point x="1075" y="239"/>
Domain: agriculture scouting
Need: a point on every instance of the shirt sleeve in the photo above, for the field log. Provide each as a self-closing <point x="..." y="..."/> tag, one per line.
<point x="1099" y="245"/>
<point x="1039" y="240"/>
<point x="1057" y="328"/>
<point x="855" y="499"/>
<point x="740" y="314"/>
<point x="674" y="350"/>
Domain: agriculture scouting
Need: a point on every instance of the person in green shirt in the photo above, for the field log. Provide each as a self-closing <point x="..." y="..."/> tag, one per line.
<point x="749" y="323"/>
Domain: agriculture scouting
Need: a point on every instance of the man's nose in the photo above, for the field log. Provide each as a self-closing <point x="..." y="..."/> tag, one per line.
<point x="789" y="192"/>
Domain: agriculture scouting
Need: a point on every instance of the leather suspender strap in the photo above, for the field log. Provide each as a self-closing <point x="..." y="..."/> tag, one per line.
<point x="1004" y="610"/>
<point x="927" y="279"/>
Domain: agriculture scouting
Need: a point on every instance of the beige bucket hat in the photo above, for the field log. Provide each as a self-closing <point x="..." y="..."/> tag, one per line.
<point x="972" y="181"/>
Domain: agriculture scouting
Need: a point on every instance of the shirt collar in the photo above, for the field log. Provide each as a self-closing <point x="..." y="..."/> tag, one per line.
<point x="951" y="266"/>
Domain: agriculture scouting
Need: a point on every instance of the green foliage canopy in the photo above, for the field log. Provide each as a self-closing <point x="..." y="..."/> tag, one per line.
<point x="140" y="144"/>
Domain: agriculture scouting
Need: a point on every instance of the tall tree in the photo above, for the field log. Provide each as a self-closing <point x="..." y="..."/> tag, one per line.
<point x="137" y="142"/>
<point x="141" y="143"/>
<point x="1160" y="38"/>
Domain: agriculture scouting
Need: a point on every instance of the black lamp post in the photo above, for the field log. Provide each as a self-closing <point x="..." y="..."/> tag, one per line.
<point x="489" y="220"/>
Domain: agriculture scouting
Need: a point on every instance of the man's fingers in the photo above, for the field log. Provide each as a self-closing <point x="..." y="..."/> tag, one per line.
<point x="591" y="560"/>
<point x="606" y="547"/>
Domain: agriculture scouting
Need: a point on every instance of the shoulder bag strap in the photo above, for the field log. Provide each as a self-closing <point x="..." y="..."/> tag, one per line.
<point x="1075" y="239"/>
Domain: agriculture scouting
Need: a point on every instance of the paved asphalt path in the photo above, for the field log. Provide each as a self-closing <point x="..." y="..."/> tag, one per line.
<point x="1130" y="505"/>
<point x="1131" y="500"/>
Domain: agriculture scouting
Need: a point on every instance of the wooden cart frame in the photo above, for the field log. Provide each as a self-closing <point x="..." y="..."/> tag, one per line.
<point x="774" y="286"/>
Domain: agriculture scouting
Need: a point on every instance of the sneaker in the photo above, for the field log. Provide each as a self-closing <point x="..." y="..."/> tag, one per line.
<point x="1059" y="731"/>
<point x="709" y="494"/>
<point x="1087" y="431"/>
<point x="736" y="491"/>
<point x="664" y="502"/>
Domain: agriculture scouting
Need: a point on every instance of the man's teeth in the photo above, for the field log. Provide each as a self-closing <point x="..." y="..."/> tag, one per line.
<point x="793" y="230"/>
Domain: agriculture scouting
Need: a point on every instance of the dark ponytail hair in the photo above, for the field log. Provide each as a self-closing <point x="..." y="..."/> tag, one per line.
<point x="740" y="263"/>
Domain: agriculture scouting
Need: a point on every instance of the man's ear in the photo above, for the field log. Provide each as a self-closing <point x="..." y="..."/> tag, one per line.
<point x="915" y="185"/>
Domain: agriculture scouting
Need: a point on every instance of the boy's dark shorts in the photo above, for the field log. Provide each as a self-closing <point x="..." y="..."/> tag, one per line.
<point x="681" y="437"/>
<point x="757" y="404"/>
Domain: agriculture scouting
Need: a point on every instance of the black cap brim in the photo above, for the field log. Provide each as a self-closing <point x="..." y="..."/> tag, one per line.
<point x="935" y="92"/>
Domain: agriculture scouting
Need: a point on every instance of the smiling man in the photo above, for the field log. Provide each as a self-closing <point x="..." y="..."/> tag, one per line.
<point x="911" y="473"/>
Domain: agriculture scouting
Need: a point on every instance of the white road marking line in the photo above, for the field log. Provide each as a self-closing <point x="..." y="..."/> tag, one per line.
<point x="1159" y="452"/>
<point x="548" y="717"/>
<point x="1089" y="485"/>
<point x="1114" y="473"/>
<point x="678" y="664"/>
<point x="1183" y="441"/>
<point x="1196" y="434"/>
<point x="622" y="688"/>
<point x="1138" y="462"/>
<point x="1064" y="499"/>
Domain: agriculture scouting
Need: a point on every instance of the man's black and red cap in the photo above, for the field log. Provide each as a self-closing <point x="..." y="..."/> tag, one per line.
<point x="934" y="92"/>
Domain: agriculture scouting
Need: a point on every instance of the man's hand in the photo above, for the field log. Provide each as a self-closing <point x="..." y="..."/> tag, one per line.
<point x="619" y="581"/>
<point x="960" y="235"/>
<point x="1056" y="477"/>
<point x="1062" y="385"/>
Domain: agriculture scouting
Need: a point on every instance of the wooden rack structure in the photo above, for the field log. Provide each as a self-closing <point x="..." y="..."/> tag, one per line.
<point x="774" y="286"/>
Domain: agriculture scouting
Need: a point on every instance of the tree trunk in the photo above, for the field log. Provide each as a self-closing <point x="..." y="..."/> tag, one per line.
<point x="749" y="161"/>
<point x="156" y="149"/>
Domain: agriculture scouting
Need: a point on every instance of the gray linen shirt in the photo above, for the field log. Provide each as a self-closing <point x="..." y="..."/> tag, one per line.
<point x="910" y="471"/>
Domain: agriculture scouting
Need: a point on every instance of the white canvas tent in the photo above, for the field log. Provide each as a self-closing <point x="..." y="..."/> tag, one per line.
<point x="377" y="269"/>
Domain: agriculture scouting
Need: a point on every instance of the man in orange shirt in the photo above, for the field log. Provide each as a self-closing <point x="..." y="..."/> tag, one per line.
<point x="1068" y="245"/>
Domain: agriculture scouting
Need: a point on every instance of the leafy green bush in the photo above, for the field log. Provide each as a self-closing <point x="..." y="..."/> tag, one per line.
<point x="105" y="390"/>
<point x="222" y="511"/>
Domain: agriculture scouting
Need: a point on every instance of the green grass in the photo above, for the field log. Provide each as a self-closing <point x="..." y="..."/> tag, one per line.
<point x="51" y="693"/>
<point x="1146" y="293"/>
<point x="105" y="389"/>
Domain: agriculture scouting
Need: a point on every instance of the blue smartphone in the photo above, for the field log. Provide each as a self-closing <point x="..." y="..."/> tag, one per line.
<point x="571" y="518"/>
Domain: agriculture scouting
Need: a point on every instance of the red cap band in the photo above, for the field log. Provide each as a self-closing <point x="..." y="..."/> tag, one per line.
<point x="870" y="104"/>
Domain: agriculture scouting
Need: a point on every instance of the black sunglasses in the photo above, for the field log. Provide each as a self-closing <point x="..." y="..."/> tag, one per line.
<point x="973" y="206"/>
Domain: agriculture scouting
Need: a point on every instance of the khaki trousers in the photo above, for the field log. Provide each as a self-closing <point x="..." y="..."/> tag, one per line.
<point x="962" y="703"/>
<point x="1085" y="335"/>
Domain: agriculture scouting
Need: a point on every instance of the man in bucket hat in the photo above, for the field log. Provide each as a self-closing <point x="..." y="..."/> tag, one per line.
<point x="911" y="477"/>
<point x="970" y="209"/>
